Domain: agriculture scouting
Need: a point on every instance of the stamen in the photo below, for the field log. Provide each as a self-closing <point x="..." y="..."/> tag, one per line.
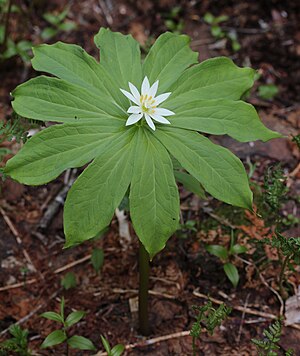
<point x="141" y="98"/>
<point x="146" y="96"/>
<point x="150" y="97"/>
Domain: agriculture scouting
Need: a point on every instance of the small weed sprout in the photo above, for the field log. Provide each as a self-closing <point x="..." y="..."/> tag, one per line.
<point x="60" y="336"/>
<point x="18" y="343"/>
<point x="117" y="350"/>
<point x="69" y="281"/>
<point x="208" y="318"/>
<point x="269" y="345"/>
<point x="226" y="255"/>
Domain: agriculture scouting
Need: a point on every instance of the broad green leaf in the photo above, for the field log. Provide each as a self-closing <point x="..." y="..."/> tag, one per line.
<point x="59" y="147"/>
<point x="154" y="200"/>
<point x="52" y="99"/>
<point x="167" y="59"/>
<point x="97" y="259"/>
<point x="219" y="171"/>
<point x="237" y="249"/>
<point x="52" y="316"/>
<point x="232" y="273"/>
<point x="98" y="191"/>
<point x="55" y="338"/>
<point x="120" y="56"/>
<point x="217" y="78"/>
<point x="218" y="251"/>
<point x="72" y="64"/>
<point x="219" y="117"/>
<point x="74" y="318"/>
<point x="117" y="350"/>
<point x="190" y="183"/>
<point x="80" y="343"/>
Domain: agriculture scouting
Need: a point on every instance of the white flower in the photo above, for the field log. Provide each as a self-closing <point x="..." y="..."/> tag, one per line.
<point x="146" y="104"/>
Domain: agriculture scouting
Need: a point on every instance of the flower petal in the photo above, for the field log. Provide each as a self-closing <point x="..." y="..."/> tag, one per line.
<point x="145" y="86"/>
<point x="163" y="112"/>
<point x="150" y="122"/>
<point x="153" y="89"/>
<point x="129" y="96"/>
<point x="133" y="119"/>
<point x="134" y="91"/>
<point x="160" y="98"/>
<point x="160" y="119"/>
<point x="134" y="110"/>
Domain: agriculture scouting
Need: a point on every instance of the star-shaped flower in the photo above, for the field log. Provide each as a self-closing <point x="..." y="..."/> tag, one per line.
<point x="147" y="104"/>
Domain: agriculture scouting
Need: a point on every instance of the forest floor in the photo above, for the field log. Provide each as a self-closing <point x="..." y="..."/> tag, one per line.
<point x="184" y="274"/>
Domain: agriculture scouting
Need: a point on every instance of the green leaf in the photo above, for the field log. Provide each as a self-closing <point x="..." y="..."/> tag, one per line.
<point x="48" y="33"/>
<point x="237" y="249"/>
<point x="105" y="344"/>
<point x="52" y="316"/>
<point x="51" y="99"/>
<point x="71" y="63"/>
<point x="67" y="26"/>
<point x="97" y="259"/>
<point x="55" y="338"/>
<point x="217" y="78"/>
<point x="219" y="117"/>
<point x="154" y="200"/>
<point x="81" y="343"/>
<point x="72" y="145"/>
<point x="117" y="350"/>
<point x="232" y="273"/>
<point x="62" y="307"/>
<point x="219" y="171"/>
<point x="120" y="56"/>
<point x="267" y="91"/>
<point x="69" y="281"/>
<point x="98" y="191"/>
<point x="74" y="318"/>
<point x="190" y="183"/>
<point x="218" y="251"/>
<point x="167" y="59"/>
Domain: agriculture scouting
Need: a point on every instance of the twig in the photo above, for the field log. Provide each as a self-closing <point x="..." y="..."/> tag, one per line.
<point x="106" y="12"/>
<point x="135" y="291"/>
<point x="28" y="316"/>
<point x="18" y="239"/>
<point x="243" y="319"/>
<point x="6" y="26"/>
<point x="148" y="342"/>
<point x="219" y="219"/>
<point x="57" y="271"/>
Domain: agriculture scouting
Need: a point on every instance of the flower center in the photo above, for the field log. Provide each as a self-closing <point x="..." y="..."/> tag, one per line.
<point x="147" y="104"/>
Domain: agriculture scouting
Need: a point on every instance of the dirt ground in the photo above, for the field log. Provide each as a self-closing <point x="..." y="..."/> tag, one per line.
<point x="183" y="274"/>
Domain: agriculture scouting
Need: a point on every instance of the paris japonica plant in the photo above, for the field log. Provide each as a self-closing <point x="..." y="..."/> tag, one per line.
<point x="138" y="124"/>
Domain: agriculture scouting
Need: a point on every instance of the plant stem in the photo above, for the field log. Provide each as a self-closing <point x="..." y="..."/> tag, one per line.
<point x="144" y="269"/>
<point x="283" y="267"/>
<point x="6" y="26"/>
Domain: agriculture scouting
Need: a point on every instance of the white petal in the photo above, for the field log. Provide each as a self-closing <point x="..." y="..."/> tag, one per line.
<point x="129" y="96"/>
<point x="160" y="119"/>
<point x="153" y="89"/>
<point x="163" y="112"/>
<point x="145" y="86"/>
<point x="134" y="91"/>
<point x="134" y="110"/>
<point x="150" y="122"/>
<point x="133" y="119"/>
<point x="160" y="98"/>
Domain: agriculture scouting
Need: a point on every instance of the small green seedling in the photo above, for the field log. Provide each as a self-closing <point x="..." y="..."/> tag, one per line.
<point x="208" y="318"/>
<point x="226" y="255"/>
<point x="58" y="24"/>
<point x="61" y="335"/>
<point x="218" y="33"/>
<point x="173" y="20"/>
<point x="117" y="350"/>
<point x="97" y="259"/>
<point x="268" y="91"/>
<point x="69" y="281"/>
<point x="17" y="344"/>
<point x="269" y="345"/>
